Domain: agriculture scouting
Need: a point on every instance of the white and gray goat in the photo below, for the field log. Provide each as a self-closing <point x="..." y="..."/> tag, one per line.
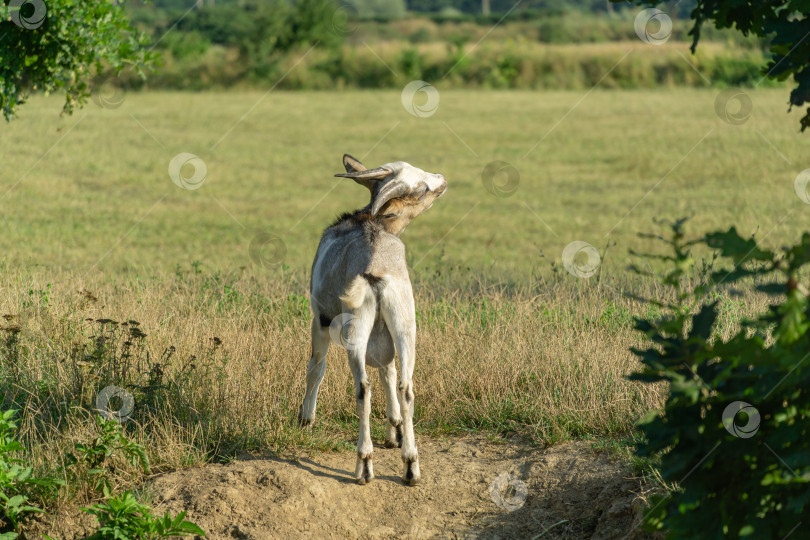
<point x="360" y="278"/>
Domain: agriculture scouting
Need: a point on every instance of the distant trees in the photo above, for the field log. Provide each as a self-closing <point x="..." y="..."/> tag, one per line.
<point x="385" y="8"/>
<point x="262" y="31"/>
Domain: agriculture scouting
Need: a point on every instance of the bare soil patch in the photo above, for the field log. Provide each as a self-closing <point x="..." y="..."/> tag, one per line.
<point x="570" y="492"/>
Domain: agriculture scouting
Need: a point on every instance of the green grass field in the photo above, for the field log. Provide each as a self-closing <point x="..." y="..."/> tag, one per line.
<point x="94" y="228"/>
<point x="91" y="193"/>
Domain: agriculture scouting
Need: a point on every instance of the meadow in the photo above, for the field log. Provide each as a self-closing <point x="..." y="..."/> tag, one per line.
<point x="214" y="280"/>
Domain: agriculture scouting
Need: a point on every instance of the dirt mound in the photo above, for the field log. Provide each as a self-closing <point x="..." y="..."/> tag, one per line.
<point x="470" y="488"/>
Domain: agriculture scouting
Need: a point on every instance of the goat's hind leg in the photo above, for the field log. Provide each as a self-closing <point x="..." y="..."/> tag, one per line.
<point x="398" y="312"/>
<point x="356" y="344"/>
<point x="388" y="378"/>
<point x="410" y="455"/>
<point x="315" y="371"/>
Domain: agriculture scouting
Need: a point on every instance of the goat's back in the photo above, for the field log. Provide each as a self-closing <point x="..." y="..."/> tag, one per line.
<point x="348" y="249"/>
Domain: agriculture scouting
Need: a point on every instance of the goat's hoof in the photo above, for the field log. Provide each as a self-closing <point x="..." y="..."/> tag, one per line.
<point x="362" y="481"/>
<point x="394" y="437"/>
<point x="364" y="473"/>
<point x="302" y="422"/>
<point x="392" y="444"/>
<point x="411" y="476"/>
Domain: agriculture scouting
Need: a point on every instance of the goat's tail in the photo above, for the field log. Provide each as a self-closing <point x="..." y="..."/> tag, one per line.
<point x="356" y="293"/>
<point x="363" y="288"/>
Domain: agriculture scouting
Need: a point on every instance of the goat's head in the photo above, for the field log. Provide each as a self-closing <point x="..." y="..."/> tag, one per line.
<point x="399" y="191"/>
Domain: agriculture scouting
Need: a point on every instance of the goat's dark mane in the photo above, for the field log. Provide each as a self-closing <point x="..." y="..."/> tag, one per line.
<point x="362" y="219"/>
<point x="356" y="217"/>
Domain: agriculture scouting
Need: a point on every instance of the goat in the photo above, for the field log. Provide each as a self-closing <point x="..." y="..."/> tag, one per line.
<point x="360" y="280"/>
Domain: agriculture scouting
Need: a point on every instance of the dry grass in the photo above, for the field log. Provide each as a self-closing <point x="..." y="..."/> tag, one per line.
<point x="547" y="360"/>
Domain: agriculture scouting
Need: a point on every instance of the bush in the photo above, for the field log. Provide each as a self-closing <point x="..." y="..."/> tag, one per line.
<point x="263" y="32"/>
<point x="125" y="517"/>
<point x="17" y="482"/>
<point x="186" y="45"/>
<point x="734" y="432"/>
<point x="60" y="48"/>
<point x="94" y="463"/>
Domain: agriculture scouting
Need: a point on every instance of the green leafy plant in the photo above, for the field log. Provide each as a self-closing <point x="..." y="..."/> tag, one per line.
<point x="54" y="45"/>
<point x="123" y="517"/>
<point x="17" y="482"/>
<point x="734" y="431"/>
<point x="97" y="461"/>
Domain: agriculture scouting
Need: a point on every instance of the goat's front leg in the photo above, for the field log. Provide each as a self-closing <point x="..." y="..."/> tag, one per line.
<point x="315" y="371"/>
<point x="359" y="330"/>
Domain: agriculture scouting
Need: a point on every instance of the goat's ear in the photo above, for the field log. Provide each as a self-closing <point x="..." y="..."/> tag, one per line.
<point x="389" y="191"/>
<point x="367" y="177"/>
<point x="352" y="164"/>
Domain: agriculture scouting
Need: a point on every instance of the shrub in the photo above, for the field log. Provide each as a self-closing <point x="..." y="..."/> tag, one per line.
<point x="734" y="432"/>
<point x="125" y="517"/>
<point x="17" y="482"/>
<point x="95" y="461"/>
<point x="264" y="32"/>
<point x="58" y="46"/>
<point x="519" y="64"/>
<point x="186" y="45"/>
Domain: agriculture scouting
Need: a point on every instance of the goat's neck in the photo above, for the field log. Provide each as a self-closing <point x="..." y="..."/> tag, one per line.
<point x="391" y="223"/>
